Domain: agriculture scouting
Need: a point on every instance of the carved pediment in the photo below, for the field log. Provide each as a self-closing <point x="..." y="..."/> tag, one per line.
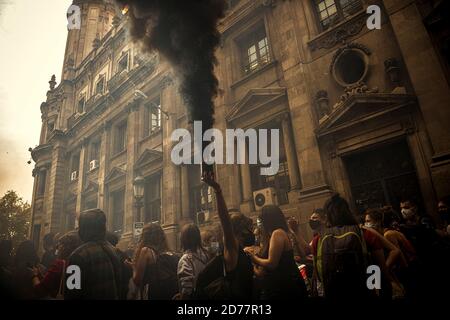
<point x="114" y="174"/>
<point x="147" y="157"/>
<point x="360" y="108"/>
<point x="254" y="100"/>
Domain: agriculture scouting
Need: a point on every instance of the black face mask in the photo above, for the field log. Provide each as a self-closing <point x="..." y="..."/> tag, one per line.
<point x="445" y="215"/>
<point x="248" y="239"/>
<point x="314" y="224"/>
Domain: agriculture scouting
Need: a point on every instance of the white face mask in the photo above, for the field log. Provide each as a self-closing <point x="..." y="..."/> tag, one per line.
<point x="408" y="213"/>
<point x="214" y="245"/>
<point x="369" y="225"/>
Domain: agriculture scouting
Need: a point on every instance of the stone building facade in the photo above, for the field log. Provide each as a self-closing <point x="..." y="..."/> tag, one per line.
<point x="361" y="112"/>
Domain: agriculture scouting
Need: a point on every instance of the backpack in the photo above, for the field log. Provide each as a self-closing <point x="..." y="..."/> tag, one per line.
<point x="212" y="283"/>
<point x="163" y="282"/>
<point x="342" y="261"/>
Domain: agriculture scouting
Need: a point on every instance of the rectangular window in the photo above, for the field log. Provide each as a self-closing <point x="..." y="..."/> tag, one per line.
<point x="152" y="199"/>
<point x="153" y="117"/>
<point x="42" y="177"/>
<point x="120" y="138"/>
<point x="280" y="181"/>
<point x="100" y="85"/>
<point x="81" y="104"/>
<point x="91" y="204"/>
<point x="255" y="50"/>
<point x="95" y="151"/>
<point x="330" y="12"/>
<point x="200" y="196"/>
<point x="123" y="63"/>
<point x="118" y="209"/>
<point x="75" y="167"/>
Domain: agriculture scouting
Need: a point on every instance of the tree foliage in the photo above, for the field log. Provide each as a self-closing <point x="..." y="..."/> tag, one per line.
<point x="15" y="216"/>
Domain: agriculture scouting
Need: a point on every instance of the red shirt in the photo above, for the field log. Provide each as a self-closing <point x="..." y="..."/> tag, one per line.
<point x="49" y="285"/>
<point x="372" y="241"/>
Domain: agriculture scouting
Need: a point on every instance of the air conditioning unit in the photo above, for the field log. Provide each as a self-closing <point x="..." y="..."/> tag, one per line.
<point x="74" y="176"/>
<point x="93" y="165"/>
<point x="265" y="197"/>
<point x="203" y="216"/>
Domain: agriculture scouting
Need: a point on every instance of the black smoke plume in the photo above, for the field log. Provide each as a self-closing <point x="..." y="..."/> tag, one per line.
<point x="185" y="33"/>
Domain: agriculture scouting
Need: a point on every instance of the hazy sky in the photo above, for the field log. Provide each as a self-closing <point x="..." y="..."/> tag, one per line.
<point x="32" y="38"/>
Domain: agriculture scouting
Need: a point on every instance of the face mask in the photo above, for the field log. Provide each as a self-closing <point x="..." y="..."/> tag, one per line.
<point x="214" y="246"/>
<point x="56" y="252"/>
<point x="408" y="213"/>
<point x="314" y="224"/>
<point x="369" y="225"/>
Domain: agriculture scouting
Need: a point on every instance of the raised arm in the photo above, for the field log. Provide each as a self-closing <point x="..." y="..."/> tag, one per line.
<point x="231" y="246"/>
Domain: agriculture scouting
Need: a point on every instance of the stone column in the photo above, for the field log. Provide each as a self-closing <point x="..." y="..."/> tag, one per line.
<point x="81" y="174"/>
<point x="185" y="204"/>
<point x="289" y="146"/>
<point x="247" y="204"/>
<point x="130" y="214"/>
<point x="171" y="198"/>
<point x="55" y="193"/>
<point x="429" y="82"/>
<point x="103" y="170"/>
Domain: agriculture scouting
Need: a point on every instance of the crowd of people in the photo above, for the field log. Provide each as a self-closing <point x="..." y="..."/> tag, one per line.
<point x="266" y="260"/>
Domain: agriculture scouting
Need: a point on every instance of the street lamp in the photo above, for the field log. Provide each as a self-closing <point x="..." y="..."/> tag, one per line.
<point x="138" y="191"/>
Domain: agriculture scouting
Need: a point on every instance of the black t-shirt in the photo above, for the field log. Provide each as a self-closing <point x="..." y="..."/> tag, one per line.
<point x="217" y="284"/>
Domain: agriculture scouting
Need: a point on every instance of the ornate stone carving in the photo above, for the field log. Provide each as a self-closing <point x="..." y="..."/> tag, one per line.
<point x="116" y="21"/>
<point x="166" y="81"/>
<point x="96" y="43"/>
<point x="322" y="103"/>
<point x="392" y="69"/>
<point x="359" y="88"/>
<point x="269" y="3"/>
<point x="52" y="82"/>
<point x="339" y="34"/>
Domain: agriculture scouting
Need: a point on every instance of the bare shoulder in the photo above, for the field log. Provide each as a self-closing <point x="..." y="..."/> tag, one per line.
<point x="280" y="235"/>
<point x="392" y="234"/>
<point x="147" y="253"/>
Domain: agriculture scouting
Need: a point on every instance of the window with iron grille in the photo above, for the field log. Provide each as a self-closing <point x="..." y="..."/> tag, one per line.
<point x="75" y="162"/>
<point x="200" y="196"/>
<point x="152" y="199"/>
<point x="280" y="181"/>
<point x="95" y="150"/>
<point x="123" y="63"/>
<point x="100" y="86"/>
<point x="153" y="117"/>
<point x="81" y="104"/>
<point x="120" y="140"/>
<point x="118" y="210"/>
<point x="330" y="12"/>
<point x="255" y="50"/>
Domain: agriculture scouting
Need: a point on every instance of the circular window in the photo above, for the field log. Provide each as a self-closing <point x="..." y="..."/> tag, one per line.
<point x="350" y="67"/>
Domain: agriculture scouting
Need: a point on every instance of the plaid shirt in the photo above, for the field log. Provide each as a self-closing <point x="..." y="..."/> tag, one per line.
<point x="101" y="272"/>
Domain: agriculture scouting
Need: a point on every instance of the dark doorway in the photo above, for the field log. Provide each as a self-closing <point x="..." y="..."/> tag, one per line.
<point x="382" y="176"/>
